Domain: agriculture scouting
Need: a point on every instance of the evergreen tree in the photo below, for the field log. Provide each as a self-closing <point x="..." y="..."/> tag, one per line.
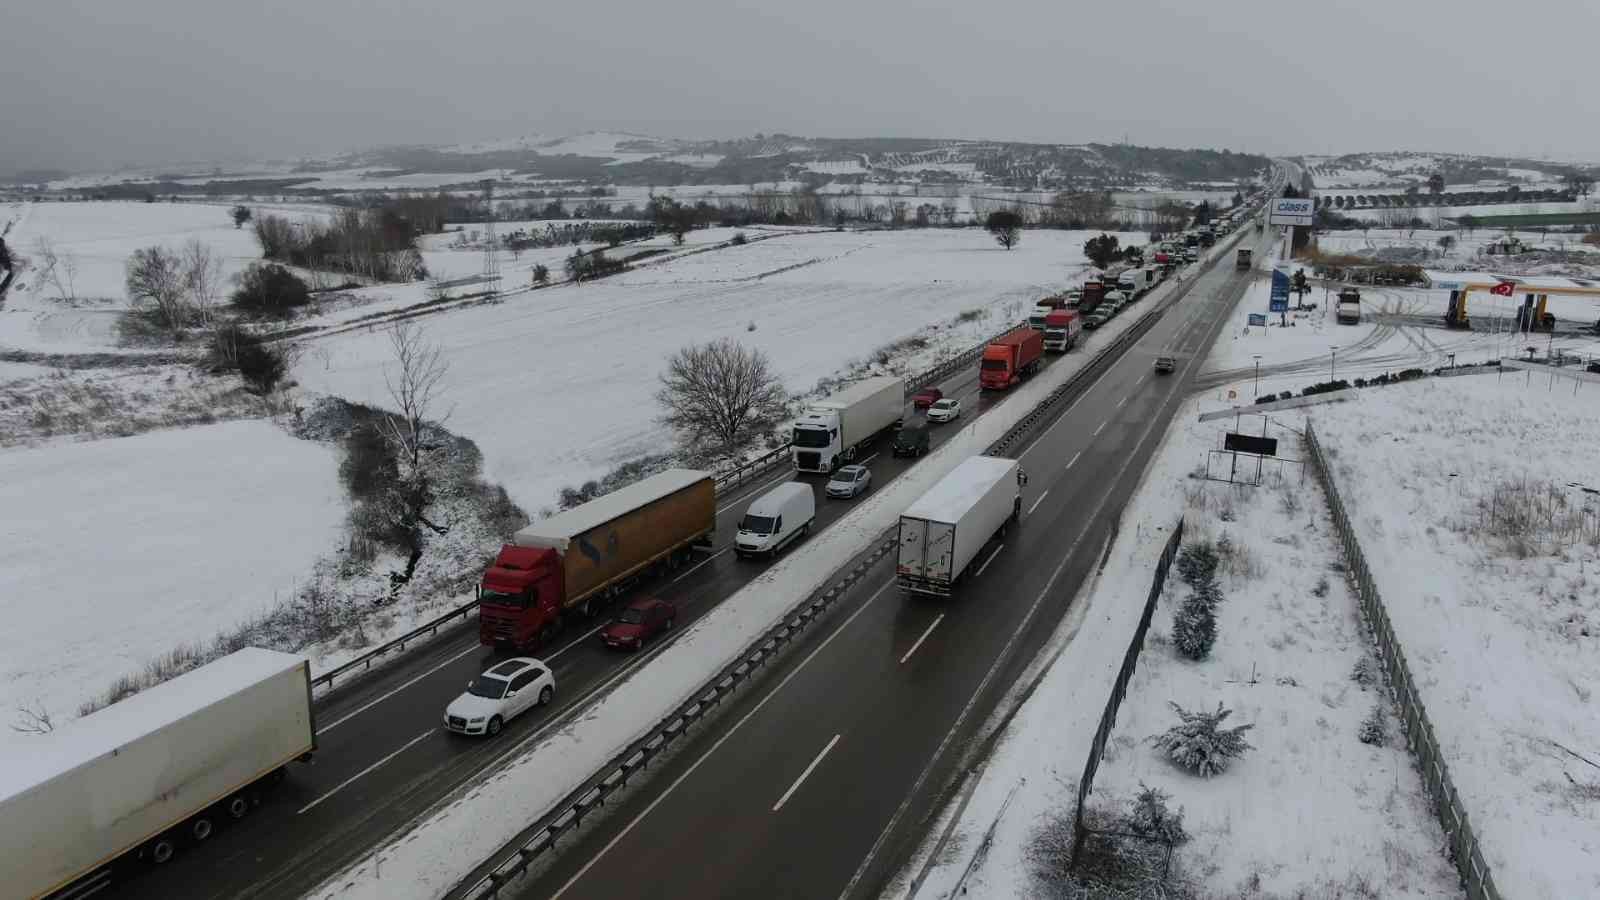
<point x="1150" y="817"/>
<point x="1194" y="628"/>
<point x="1199" y="744"/>
<point x="1197" y="563"/>
<point x="1375" y="728"/>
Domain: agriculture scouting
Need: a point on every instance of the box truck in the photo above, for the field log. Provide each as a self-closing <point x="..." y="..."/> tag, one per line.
<point x="831" y="432"/>
<point x="88" y="803"/>
<point x="1242" y="258"/>
<point x="1009" y="358"/>
<point x="578" y="559"/>
<point x="1061" y="330"/>
<point x="944" y="529"/>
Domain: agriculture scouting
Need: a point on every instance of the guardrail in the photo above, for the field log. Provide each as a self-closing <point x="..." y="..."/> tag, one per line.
<point x="591" y="795"/>
<point x="364" y="661"/>
<point x="1119" y="690"/>
<point x="1471" y="866"/>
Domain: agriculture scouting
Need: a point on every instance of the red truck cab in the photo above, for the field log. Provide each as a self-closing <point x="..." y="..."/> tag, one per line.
<point x="1009" y="358"/>
<point x="519" y="597"/>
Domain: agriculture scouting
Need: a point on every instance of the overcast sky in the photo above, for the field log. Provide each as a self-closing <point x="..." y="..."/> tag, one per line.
<point x="99" y="84"/>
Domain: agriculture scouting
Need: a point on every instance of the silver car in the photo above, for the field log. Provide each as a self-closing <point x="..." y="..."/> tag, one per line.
<point x="849" y="481"/>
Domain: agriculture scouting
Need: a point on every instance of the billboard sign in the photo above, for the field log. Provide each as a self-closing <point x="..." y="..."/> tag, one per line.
<point x="1258" y="319"/>
<point x="1291" y="211"/>
<point x="1249" y="443"/>
<point x="1279" y="301"/>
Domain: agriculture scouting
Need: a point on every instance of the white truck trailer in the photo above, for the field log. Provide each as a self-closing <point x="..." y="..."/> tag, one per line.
<point x="942" y="532"/>
<point x="831" y="432"/>
<point x="84" y="804"/>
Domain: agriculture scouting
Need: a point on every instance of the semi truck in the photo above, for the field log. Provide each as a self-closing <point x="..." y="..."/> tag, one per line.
<point x="578" y="559"/>
<point x="831" y="432"/>
<point x="943" y="530"/>
<point x="1091" y="295"/>
<point x="1349" y="306"/>
<point x="90" y="803"/>
<point x="1009" y="358"/>
<point x="1242" y="258"/>
<point x="1061" y="330"/>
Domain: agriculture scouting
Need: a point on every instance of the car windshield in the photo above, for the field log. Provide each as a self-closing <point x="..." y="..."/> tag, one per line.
<point x="492" y="688"/>
<point x="945" y="404"/>
<point x="496" y="597"/>
<point x="848" y="473"/>
<point x="994" y="364"/>
<point x="756" y="524"/>
<point x="632" y="616"/>
<point x="810" y="436"/>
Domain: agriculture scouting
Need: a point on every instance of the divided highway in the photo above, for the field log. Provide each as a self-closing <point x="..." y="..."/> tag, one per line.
<point x="383" y="757"/>
<point x="818" y="782"/>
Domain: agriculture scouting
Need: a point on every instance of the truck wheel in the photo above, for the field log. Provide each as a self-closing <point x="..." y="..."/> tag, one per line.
<point x="162" y="850"/>
<point x="238" y="806"/>
<point x="494" y="726"/>
<point x="201" y="829"/>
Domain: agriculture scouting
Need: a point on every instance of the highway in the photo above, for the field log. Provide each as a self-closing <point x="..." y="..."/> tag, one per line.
<point x="383" y="758"/>
<point x="817" y="782"/>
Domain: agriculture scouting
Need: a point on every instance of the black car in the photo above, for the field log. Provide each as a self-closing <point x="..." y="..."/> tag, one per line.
<point x="912" y="440"/>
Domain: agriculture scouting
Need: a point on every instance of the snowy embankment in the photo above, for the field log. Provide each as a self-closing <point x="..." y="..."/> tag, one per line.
<point x="1310" y="811"/>
<point x="114" y="551"/>
<point x="1475" y="503"/>
<point x="588" y="356"/>
<point x="431" y="858"/>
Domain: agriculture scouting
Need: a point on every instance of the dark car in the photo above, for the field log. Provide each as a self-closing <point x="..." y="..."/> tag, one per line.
<point x="926" y="397"/>
<point x="1165" y="365"/>
<point x="638" y="622"/>
<point x="912" y="440"/>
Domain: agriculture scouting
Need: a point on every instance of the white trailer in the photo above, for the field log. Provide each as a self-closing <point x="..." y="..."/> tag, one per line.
<point x="147" y="776"/>
<point x="831" y="431"/>
<point x="944" y="529"/>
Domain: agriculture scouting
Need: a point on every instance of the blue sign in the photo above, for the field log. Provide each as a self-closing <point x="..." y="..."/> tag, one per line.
<point x="1279" y="301"/>
<point x="1258" y="319"/>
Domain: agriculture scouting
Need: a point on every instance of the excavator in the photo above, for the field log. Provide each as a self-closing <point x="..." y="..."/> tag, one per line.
<point x="1531" y="315"/>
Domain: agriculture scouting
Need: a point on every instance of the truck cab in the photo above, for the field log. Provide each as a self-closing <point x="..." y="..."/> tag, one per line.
<point x="1061" y="330"/>
<point x="519" y="596"/>
<point x="1037" y="316"/>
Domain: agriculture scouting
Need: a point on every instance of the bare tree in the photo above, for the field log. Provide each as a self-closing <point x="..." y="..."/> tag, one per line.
<point x="414" y="384"/>
<point x="202" y="278"/>
<point x="1005" y="226"/>
<point x="33" y="719"/>
<point x="57" y="268"/>
<point x="720" y="394"/>
<point x="156" y="275"/>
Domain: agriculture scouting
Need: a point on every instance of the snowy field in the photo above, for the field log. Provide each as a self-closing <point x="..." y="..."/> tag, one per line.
<point x="80" y="314"/>
<point x="118" y="550"/>
<point x="1307" y="813"/>
<point x="1475" y="502"/>
<point x="527" y="373"/>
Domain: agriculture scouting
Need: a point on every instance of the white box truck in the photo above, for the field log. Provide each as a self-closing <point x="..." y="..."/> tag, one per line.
<point x="830" y="432"/>
<point x="944" y="529"/>
<point x="146" y="777"/>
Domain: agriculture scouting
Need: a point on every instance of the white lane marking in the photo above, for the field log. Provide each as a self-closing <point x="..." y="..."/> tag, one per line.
<point x="348" y="781"/>
<point x="921" y="639"/>
<point x="1074" y="458"/>
<point x="1037" y="502"/>
<point x="979" y="573"/>
<point x="1141" y="380"/>
<point x="694" y="568"/>
<point x="714" y="747"/>
<point x="370" y="704"/>
<point x="1101" y="428"/>
<point x="1123" y="400"/>
<point x="804" y="775"/>
<point x="927" y="770"/>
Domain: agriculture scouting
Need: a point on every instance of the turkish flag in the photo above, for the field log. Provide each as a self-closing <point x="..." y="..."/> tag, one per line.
<point x="1504" y="289"/>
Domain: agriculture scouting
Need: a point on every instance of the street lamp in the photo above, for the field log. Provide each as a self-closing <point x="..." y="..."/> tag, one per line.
<point x="1333" y="355"/>
<point x="1257" y="388"/>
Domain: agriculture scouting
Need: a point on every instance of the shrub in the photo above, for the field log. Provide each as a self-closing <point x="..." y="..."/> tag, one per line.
<point x="261" y="365"/>
<point x="1199" y="744"/>
<point x="1197" y="563"/>
<point x="270" y="290"/>
<point x="1149" y="816"/>
<point x="1365" y="672"/>
<point x="541" y="274"/>
<point x="1321" y="590"/>
<point x="1194" y="626"/>
<point x="739" y="240"/>
<point x="1375" y="727"/>
<point x="1323" y="387"/>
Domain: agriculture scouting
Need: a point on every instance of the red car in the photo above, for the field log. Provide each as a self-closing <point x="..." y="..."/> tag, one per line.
<point x="639" y="621"/>
<point x="926" y="397"/>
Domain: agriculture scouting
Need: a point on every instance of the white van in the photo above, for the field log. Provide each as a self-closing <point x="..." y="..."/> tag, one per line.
<point x="776" y="518"/>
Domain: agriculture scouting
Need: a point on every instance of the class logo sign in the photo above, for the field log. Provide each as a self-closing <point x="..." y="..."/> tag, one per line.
<point x="1291" y="211"/>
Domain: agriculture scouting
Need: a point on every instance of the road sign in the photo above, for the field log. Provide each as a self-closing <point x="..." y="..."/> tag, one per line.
<point x="1291" y="211"/>
<point x="1258" y="319"/>
<point x="1249" y="443"/>
<point x="1279" y="301"/>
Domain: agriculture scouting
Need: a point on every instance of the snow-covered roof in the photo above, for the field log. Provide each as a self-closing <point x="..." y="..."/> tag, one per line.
<point x="24" y="764"/>
<point x="1439" y="278"/>
<point x="560" y="528"/>
<point x="966" y="484"/>
<point x="861" y="390"/>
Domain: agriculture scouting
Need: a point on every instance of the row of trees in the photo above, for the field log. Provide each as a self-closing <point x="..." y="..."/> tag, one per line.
<point x="379" y="244"/>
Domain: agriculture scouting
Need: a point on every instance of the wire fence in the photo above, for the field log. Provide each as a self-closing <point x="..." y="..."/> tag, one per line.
<point x="1130" y="662"/>
<point x="1463" y="843"/>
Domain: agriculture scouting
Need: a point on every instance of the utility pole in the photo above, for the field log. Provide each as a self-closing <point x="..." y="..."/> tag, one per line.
<point x="1257" y="389"/>
<point x="1333" y="355"/>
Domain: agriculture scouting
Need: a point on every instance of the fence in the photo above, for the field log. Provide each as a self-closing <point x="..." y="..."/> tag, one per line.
<point x="1463" y="843"/>
<point x="1130" y="662"/>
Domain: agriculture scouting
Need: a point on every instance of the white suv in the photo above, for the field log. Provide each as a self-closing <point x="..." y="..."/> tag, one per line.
<point x="498" y="695"/>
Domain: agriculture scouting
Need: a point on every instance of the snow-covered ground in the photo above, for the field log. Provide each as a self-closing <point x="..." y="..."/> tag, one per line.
<point x="117" y="550"/>
<point x="1310" y="811"/>
<point x="1474" y="500"/>
<point x="526" y="373"/>
<point x="427" y="860"/>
